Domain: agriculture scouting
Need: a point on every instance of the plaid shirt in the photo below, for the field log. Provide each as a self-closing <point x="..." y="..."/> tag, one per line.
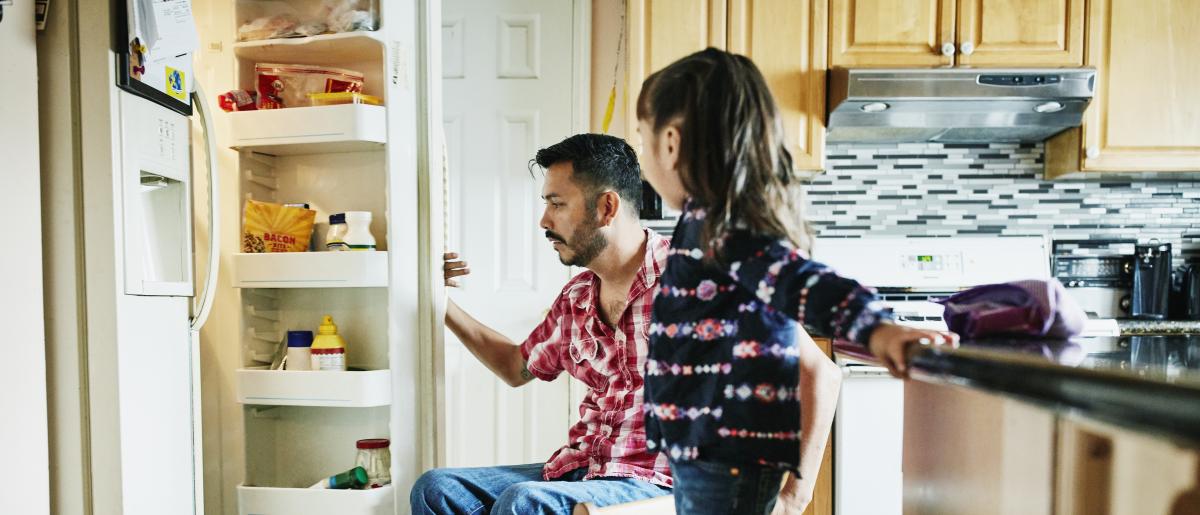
<point x="610" y="437"/>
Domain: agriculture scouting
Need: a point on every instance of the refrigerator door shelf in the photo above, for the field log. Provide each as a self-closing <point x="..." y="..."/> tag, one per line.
<point x="365" y="269"/>
<point x="255" y="500"/>
<point x="310" y="130"/>
<point x="350" y="389"/>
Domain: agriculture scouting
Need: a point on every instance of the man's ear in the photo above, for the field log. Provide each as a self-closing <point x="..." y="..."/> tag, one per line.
<point x="607" y="206"/>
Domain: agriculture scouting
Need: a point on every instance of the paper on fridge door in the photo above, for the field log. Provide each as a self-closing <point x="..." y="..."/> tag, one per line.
<point x="165" y="27"/>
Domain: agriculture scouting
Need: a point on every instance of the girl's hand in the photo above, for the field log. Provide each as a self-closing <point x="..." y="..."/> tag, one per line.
<point x="793" y="497"/>
<point x="890" y="343"/>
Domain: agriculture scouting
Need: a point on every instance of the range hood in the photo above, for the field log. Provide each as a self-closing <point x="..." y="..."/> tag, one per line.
<point x="956" y="105"/>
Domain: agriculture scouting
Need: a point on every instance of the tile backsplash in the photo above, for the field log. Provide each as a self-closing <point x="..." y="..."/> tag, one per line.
<point x="942" y="190"/>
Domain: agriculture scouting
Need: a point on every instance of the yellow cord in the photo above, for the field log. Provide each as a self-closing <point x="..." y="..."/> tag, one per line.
<point x="608" y="111"/>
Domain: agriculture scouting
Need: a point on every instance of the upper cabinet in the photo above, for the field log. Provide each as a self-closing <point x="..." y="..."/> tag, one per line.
<point x="992" y="33"/>
<point x="1144" y="116"/>
<point x="662" y="31"/>
<point x="1020" y="32"/>
<point x="786" y="39"/>
<point x="899" y="33"/>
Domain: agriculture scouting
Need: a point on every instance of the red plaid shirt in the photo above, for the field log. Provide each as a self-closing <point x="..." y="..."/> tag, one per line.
<point x="610" y="437"/>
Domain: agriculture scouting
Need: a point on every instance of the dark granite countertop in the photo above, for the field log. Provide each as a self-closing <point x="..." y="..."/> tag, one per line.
<point x="1147" y="383"/>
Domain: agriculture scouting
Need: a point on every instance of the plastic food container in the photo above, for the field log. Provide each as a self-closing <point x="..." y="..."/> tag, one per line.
<point x="343" y="97"/>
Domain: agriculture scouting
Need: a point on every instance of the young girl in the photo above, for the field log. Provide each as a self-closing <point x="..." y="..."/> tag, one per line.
<point x="737" y="394"/>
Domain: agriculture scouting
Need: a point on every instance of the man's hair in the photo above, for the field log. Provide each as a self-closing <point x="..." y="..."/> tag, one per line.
<point x="600" y="162"/>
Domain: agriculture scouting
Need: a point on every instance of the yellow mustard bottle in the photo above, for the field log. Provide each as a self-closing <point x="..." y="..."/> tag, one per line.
<point x="328" y="349"/>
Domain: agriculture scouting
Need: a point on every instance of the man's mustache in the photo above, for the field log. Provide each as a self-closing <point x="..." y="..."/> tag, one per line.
<point x="553" y="236"/>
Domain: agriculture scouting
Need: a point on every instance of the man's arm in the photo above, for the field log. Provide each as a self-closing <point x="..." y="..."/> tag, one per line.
<point x="495" y="350"/>
<point x="820" y="384"/>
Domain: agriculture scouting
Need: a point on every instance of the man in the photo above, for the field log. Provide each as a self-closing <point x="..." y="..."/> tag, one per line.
<point x="596" y="331"/>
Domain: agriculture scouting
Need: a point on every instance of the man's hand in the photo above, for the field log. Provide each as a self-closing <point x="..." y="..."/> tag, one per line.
<point x="890" y="343"/>
<point x="452" y="267"/>
<point x="793" y="497"/>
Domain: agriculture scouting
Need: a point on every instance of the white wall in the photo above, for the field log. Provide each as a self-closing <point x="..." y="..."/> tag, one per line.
<point x="24" y="453"/>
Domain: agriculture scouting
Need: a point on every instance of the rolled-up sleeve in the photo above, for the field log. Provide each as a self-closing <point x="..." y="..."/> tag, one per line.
<point x="543" y="349"/>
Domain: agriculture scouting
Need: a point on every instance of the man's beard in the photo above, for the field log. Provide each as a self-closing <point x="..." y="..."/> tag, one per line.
<point x="588" y="243"/>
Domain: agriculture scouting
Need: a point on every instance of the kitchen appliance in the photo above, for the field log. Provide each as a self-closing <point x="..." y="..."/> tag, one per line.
<point x="1150" y="281"/>
<point x="956" y="104"/>
<point x="908" y="273"/>
<point x="1185" y="292"/>
<point x="1096" y="274"/>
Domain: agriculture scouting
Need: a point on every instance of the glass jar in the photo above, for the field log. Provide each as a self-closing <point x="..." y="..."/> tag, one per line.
<point x="373" y="455"/>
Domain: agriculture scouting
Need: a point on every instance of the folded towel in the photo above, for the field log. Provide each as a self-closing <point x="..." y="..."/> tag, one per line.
<point x="1033" y="308"/>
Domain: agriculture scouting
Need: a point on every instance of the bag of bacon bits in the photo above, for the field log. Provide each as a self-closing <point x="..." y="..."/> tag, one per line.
<point x="268" y="227"/>
<point x="288" y="85"/>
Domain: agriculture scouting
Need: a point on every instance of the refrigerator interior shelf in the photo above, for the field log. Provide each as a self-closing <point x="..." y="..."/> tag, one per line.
<point x="350" y="389"/>
<point x="310" y="130"/>
<point x="256" y="500"/>
<point x="322" y="49"/>
<point x="352" y="269"/>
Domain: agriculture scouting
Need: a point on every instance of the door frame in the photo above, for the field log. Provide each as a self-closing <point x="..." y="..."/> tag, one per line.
<point x="433" y="398"/>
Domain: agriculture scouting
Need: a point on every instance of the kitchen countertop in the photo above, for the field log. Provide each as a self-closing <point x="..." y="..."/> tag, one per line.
<point x="1131" y="326"/>
<point x="1147" y="383"/>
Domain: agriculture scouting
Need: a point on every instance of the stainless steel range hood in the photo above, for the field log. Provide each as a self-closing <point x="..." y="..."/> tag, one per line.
<point x="956" y="105"/>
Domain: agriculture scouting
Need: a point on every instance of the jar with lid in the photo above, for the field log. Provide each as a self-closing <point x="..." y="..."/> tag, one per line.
<point x="373" y="455"/>
<point x="335" y="238"/>
<point x="358" y="231"/>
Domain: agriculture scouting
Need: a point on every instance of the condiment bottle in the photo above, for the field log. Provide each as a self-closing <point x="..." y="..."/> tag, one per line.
<point x="335" y="239"/>
<point x="299" y="355"/>
<point x="328" y="349"/>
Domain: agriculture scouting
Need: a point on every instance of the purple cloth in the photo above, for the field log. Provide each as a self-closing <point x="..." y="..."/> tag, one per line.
<point x="1033" y="308"/>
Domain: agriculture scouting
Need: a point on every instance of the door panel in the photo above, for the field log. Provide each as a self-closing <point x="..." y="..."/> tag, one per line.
<point x="787" y="41"/>
<point x="884" y="33"/>
<point x="1021" y="32"/>
<point x="662" y="31"/>
<point x="508" y="86"/>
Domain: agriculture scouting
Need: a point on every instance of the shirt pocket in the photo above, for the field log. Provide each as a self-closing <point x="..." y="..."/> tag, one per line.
<point x="588" y="363"/>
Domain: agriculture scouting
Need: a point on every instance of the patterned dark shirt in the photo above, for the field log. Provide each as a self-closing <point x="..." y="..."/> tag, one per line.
<point x="722" y="376"/>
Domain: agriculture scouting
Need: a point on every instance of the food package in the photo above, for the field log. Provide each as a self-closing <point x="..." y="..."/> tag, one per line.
<point x="288" y="85"/>
<point x="280" y="19"/>
<point x="269" y="227"/>
<point x="344" y="97"/>
<point x="237" y="100"/>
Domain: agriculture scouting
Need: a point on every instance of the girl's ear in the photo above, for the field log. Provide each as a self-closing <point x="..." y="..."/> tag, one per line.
<point x="669" y="147"/>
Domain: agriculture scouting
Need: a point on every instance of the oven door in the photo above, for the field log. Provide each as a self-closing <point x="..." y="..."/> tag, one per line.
<point x="868" y="438"/>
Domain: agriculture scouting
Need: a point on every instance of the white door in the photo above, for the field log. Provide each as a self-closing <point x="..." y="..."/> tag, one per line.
<point x="24" y="445"/>
<point x="510" y="86"/>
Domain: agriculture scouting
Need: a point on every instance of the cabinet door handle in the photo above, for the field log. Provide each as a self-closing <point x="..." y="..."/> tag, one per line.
<point x="948" y="49"/>
<point x="967" y="48"/>
<point x="1093" y="152"/>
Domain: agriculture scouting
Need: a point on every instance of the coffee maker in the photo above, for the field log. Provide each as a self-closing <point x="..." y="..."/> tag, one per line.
<point x="1150" y="277"/>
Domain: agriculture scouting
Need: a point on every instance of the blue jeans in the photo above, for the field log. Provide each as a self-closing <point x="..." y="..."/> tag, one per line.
<point x="708" y="487"/>
<point x="519" y="490"/>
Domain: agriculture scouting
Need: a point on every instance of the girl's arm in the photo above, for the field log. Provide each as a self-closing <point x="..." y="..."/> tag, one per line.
<point x="820" y="384"/>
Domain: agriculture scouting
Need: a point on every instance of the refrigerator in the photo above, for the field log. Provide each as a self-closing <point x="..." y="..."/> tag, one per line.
<point x="166" y="399"/>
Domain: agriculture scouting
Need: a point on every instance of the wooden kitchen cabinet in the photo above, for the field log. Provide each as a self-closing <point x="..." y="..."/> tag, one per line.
<point x="786" y="40"/>
<point x="822" y="500"/>
<point x="986" y="33"/>
<point x="966" y="451"/>
<point x="891" y="33"/>
<point x="1104" y="470"/>
<point x="662" y="31"/>
<point x="1020" y="32"/>
<point x="1145" y="115"/>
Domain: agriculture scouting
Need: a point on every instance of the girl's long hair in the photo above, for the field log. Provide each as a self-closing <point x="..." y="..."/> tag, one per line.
<point x="732" y="157"/>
